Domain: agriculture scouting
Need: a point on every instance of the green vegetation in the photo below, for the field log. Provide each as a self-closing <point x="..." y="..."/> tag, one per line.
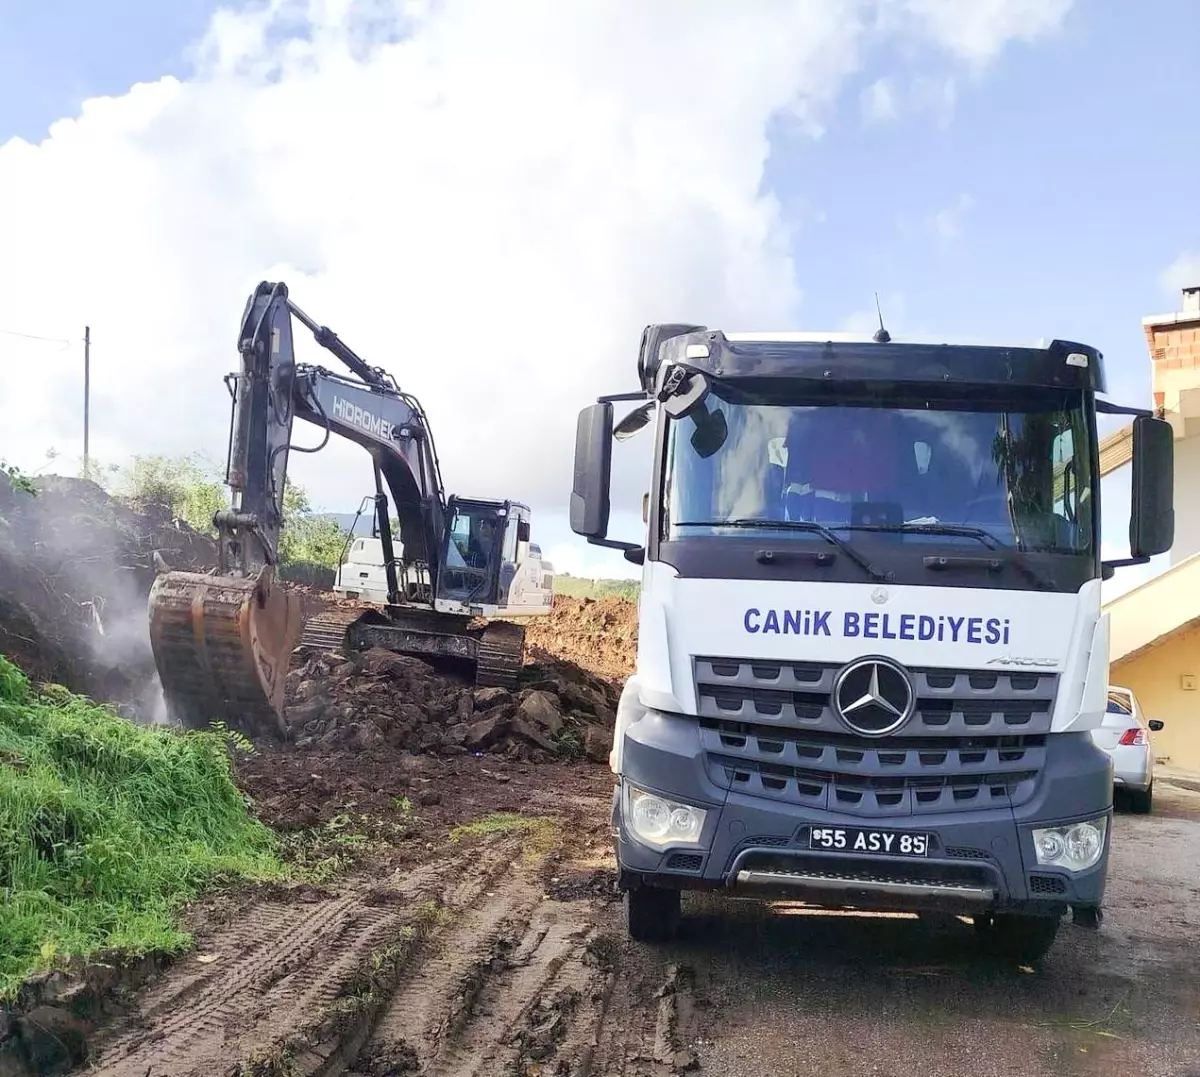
<point x="579" y="587"/>
<point x="107" y="828"/>
<point x="189" y="487"/>
<point x="192" y="488"/>
<point x="309" y="538"/>
<point x="544" y="833"/>
<point x="323" y="853"/>
<point x="17" y="479"/>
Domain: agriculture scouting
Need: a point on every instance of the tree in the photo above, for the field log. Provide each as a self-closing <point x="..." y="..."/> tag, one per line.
<point x="189" y="487"/>
<point x="309" y="537"/>
<point x="192" y="488"/>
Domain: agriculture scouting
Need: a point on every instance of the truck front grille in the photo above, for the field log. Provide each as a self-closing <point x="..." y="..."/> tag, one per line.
<point x="976" y="740"/>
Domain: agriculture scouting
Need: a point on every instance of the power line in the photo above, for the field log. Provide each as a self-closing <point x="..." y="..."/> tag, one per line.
<point x="34" y="336"/>
<point x="87" y="375"/>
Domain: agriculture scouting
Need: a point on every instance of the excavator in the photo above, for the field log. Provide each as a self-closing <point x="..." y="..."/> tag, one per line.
<point x="460" y="589"/>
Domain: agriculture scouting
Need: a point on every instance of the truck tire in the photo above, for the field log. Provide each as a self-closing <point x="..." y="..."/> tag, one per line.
<point x="653" y="913"/>
<point x="1141" y="801"/>
<point x="1013" y="937"/>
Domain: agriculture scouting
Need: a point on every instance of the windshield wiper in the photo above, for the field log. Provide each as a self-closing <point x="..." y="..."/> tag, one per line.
<point x="1015" y="556"/>
<point x="799" y="525"/>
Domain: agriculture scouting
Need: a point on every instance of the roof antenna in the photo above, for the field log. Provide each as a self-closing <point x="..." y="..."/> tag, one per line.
<point x="882" y="336"/>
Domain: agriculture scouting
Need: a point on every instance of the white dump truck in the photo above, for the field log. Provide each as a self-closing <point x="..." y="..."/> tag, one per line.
<point x="870" y="639"/>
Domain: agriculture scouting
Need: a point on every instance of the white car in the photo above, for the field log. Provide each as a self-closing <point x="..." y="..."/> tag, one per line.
<point x="1125" y="736"/>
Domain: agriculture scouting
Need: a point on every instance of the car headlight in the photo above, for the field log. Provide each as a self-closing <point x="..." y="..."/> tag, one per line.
<point x="660" y="822"/>
<point x="1076" y="847"/>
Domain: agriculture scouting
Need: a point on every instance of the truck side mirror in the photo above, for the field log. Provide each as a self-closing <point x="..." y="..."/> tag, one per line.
<point x="1152" y="520"/>
<point x="593" y="466"/>
<point x="1155" y="725"/>
<point x="522" y="530"/>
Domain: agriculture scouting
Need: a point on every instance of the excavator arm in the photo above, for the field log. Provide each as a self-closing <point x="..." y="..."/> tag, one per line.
<point x="222" y="641"/>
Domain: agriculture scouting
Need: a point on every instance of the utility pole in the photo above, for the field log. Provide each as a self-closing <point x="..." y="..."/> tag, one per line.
<point x="87" y="391"/>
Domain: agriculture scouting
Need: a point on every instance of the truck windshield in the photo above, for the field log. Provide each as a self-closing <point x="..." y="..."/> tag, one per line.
<point x="1018" y="469"/>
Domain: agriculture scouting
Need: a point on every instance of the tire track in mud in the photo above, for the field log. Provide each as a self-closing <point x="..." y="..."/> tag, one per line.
<point x="441" y="992"/>
<point x="466" y="966"/>
<point x="268" y="977"/>
<point x="527" y="986"/>
<point x="631" y="1023"/>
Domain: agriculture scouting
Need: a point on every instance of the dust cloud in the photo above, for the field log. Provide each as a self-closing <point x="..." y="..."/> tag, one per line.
<point x="76" y="567"/>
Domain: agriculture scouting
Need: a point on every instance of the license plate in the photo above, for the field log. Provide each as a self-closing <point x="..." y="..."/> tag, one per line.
<point x="853" y="839"/>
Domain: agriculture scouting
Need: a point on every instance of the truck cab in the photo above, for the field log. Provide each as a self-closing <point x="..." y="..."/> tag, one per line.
<point x="870" y="642"/>
<point x="362" y="575"/>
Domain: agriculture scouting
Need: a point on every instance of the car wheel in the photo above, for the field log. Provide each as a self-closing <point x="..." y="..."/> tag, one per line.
<point x="653" y="913"/>
<point x="1141" y="800"/>
<point x="1024" y="939"/>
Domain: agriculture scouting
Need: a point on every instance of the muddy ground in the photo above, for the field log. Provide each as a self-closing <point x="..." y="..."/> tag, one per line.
<point x="501" y="950"/>
<point x="459" y="914"/>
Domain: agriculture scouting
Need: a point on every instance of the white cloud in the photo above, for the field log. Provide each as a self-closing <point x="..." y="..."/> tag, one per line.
<point x="589" y="563"/>
<point x="1182" y="273"/>
<point x="944" y="225"/>
<point x="936" y="95"/>
<point x="977" y="30"/>
<point x="488" y="200"/>
<point x="879" y="101"/>
<point x="947" y="222"/>
<point x="884" y="101"/>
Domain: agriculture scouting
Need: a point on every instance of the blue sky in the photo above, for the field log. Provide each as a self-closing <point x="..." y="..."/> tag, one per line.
<point x="1046" y="195"/>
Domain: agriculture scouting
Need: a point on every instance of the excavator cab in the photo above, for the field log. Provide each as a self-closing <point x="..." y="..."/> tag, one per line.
<point x="484" y="540"/>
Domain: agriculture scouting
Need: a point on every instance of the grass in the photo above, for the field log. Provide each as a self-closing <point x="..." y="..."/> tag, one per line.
<point x="544" y="833"/>
<point x="107" y="829"/>
<point x="323" y="853"/>
<point x="582" y="587"/>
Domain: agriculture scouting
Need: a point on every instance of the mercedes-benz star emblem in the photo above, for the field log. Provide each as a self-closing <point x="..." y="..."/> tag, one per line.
<point x="873" y="696"/>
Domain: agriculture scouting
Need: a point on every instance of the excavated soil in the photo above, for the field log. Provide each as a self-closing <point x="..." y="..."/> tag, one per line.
<point x="386" y="700"/>
<point x="599" y="635"/>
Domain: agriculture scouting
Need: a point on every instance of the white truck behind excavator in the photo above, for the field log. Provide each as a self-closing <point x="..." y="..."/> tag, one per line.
<point x="870" y="639"/>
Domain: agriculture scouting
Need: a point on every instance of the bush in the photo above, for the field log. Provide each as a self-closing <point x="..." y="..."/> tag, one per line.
<point x="107" y="828"/>
<point x="192" y="488"/>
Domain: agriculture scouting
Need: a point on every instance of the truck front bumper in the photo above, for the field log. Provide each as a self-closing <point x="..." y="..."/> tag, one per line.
<point x="974" y="862"/>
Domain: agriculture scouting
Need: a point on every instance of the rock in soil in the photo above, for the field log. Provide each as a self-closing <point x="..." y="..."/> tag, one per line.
<point x="387" y="699"/>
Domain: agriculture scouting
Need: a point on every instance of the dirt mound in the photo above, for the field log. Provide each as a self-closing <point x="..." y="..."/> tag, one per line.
<point x="394" y="700"/>
<point x="600" y="635"/>
<point x="76" y="567"/>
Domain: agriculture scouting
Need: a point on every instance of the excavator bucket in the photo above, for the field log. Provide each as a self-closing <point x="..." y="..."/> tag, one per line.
<point x="222" y="646"/>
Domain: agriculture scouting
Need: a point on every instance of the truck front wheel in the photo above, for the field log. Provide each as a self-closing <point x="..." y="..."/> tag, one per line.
<point x="1025" y="939"/>
<point x="653" y="913"/>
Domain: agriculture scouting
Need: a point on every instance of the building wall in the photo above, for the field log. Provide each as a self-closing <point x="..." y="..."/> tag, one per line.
<point x="1173" y="341"/>
<point x="1187" y="503"/>
<point x="1156" y="678"/>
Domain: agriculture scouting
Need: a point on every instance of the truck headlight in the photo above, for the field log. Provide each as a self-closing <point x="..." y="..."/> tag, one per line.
<point x="660" y="822"/>
<point x="1076" y="847"/>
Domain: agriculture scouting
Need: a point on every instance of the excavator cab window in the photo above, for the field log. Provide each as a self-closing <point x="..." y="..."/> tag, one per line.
<point x="473" y="550"/>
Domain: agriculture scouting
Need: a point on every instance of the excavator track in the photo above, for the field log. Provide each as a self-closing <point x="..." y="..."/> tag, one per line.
<point x="222" y="646"/>
<point x="497" y="651"/>
<point x="327" y="631"/>
<point x="500" y="655"/>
